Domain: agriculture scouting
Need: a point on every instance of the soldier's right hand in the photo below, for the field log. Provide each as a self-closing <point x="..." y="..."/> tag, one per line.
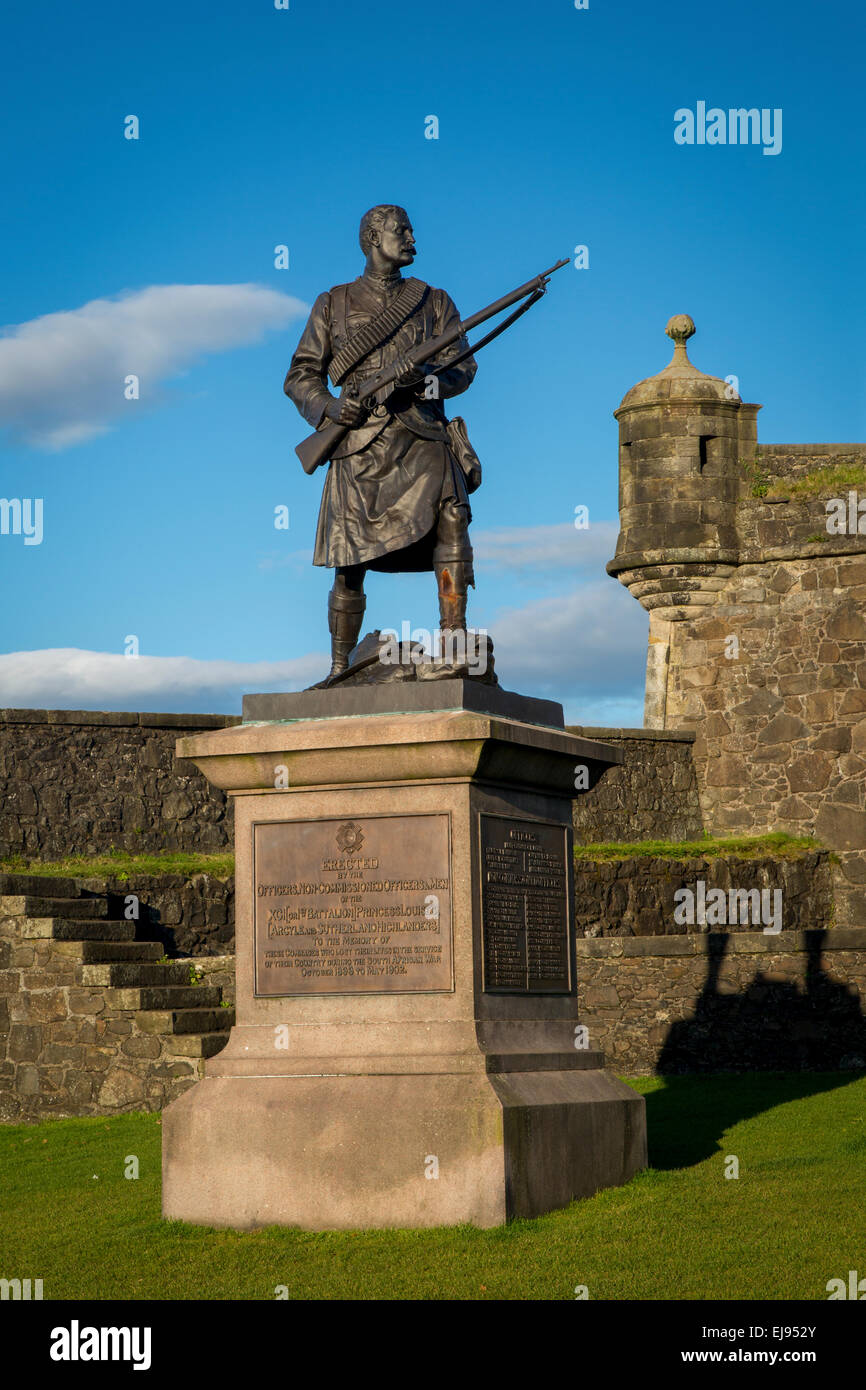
<point x="346" y="411"/>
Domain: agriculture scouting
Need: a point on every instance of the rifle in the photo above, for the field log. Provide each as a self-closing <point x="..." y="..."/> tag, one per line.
<point x="318" y="447"/>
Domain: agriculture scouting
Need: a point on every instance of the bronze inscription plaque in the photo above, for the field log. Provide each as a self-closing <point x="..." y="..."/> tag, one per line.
<point x="353" y="906"/>
<point x="524" y="906"/>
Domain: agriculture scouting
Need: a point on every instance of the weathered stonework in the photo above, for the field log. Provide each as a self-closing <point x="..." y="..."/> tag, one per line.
<point x="635" y="897"/>
<point x="781" y="731"/>
<point x="76" y="782"/>
<point x="218" y="971"/>
<point x="757" y="629"/>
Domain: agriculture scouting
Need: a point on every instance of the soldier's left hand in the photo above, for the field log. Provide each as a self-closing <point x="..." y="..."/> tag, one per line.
<point x="408" y="375"/>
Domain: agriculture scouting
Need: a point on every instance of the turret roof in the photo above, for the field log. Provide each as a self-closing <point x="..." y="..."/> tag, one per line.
<point x="680" y="380"/>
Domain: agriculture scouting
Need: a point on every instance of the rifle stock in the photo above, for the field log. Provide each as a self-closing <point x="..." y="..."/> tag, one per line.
<point x="318" y="447"/>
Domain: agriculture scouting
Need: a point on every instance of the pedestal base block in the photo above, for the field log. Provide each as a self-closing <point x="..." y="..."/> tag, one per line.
<point x="344" y="1152"/>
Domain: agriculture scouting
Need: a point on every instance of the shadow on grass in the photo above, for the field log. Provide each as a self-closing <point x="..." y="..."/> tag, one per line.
<point x="687" y="1117"/>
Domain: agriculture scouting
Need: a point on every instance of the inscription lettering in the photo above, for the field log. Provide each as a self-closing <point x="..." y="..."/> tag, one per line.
<point x="524" y="905"/>
<point x="352" y="923"/>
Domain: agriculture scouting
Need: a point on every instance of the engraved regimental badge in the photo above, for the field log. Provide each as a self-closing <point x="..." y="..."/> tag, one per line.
<point x="350" y="837"/>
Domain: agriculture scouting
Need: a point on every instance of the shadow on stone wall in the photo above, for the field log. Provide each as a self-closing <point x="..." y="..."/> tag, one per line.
<point x="771" y="1026"/>
<point x="191" y="916"/>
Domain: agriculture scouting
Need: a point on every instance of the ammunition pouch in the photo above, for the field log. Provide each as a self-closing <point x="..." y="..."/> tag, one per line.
<point x="470" y="464"/>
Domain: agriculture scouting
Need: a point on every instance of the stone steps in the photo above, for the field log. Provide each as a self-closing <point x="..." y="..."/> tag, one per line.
<point x="98" y="952"/>
<point x="32" y="884"/>
<point x="74" y="929"/>
<point x="186" y="1020"/>
<point x="134" y="976"/>
<point x="29" y="905"/>
<point x="164" y="996"/>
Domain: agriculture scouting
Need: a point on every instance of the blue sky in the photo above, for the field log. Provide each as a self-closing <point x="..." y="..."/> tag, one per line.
<point x="260" y="127"/>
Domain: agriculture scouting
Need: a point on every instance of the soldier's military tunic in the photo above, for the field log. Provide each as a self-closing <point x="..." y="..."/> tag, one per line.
<point x="387" y="481"/>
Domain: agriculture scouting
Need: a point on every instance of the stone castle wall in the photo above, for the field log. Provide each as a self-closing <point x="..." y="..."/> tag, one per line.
<point x="794" y="461"/>
<point x="651" y="795"/>
<point x="635" y="896"/>
<point x="780" y="728"/>
<point x="74" y="782"/>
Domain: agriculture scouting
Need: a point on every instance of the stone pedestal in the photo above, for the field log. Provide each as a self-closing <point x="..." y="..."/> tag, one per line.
<point x="407" y="1049"/>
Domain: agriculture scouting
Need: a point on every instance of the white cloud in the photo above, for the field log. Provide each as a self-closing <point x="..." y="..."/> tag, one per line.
<point x="62" y="375"/>
<point x="69" y="678"/>
<point x="587" y="647"/>
<point x="545" y="548"/>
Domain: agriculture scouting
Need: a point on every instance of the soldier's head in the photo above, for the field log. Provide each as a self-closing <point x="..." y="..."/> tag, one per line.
<point x="386" y="237"/>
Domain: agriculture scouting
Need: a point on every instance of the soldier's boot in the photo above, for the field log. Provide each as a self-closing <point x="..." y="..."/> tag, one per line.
<point x="452" y="564"/>
<point x="345" y="616"/>
<point x="453" y="578"/>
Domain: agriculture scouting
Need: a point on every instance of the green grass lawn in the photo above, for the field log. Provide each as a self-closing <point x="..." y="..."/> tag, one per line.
<point x="117" y="863"/>
<point x="122" y="864"/>
<point x="795" y="1217"/>
<point x="776" y="845"/>
<point x="821" y="482"/>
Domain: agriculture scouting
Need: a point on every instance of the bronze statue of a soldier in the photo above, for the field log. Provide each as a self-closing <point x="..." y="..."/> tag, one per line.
<point x="395" y="496"/>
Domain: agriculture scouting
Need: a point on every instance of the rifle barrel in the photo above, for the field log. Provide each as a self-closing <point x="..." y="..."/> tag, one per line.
<point x="432" y="346"/>
<point x="508" y="299"/>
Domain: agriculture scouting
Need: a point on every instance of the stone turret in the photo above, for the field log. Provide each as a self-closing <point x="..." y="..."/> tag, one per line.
<point x="757" y="604"/>
<point x="682" y="435"/>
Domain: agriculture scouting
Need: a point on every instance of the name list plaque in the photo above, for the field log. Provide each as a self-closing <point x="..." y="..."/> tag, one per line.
<point x="353" y="906"/>
<point x="524" y="906"/>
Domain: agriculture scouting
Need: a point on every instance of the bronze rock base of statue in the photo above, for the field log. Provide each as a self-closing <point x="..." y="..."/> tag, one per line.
<point x="381" y="660"/>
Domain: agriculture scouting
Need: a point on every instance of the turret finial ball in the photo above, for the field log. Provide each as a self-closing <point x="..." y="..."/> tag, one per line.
<point x="681" y="327"/>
